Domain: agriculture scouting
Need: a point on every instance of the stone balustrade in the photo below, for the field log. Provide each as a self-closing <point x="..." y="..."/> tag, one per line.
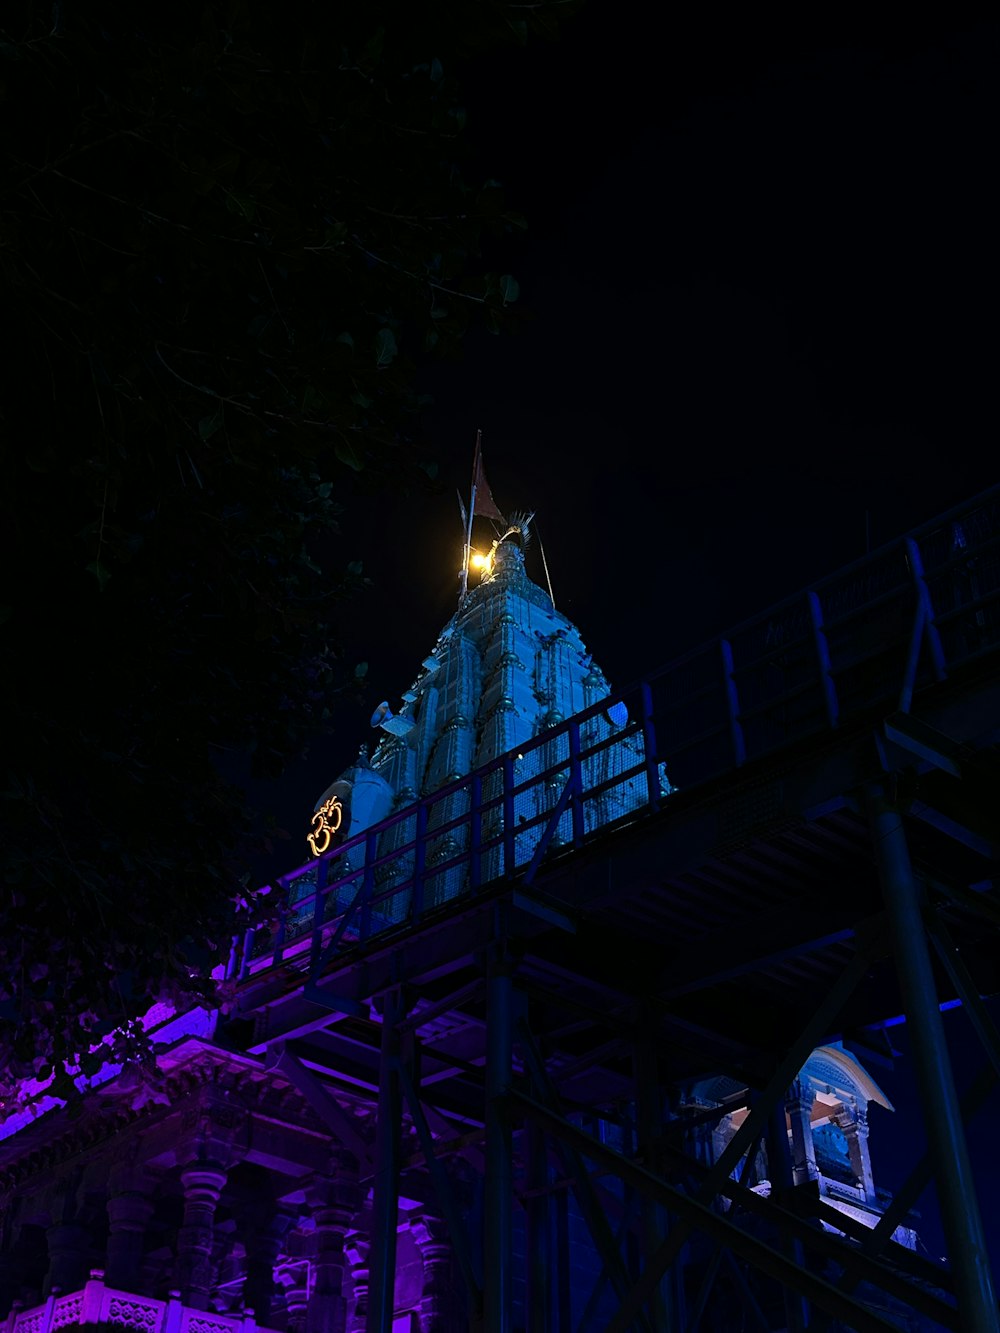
<point x="100" y="1304"/>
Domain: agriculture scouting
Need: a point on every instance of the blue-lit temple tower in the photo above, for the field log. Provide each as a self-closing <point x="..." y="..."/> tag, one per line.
<point x="506" y="669"/>
<point x="537" y="1041"/>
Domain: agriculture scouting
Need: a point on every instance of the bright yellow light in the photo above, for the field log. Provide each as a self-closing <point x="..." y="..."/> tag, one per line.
<point x="479" y="561"/>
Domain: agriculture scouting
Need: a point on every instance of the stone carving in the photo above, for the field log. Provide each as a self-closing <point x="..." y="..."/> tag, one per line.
<point x="67" y="1310"/>
<point x="133" y="1313"/>
<point x="199" y="1324"/>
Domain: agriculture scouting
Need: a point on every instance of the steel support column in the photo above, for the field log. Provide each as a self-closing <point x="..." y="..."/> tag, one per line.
<point x="720" y="1229"/>
<point x="649" y="1126"/>
<point x="498" y="1222"/>
<point x="538" y="1233"/>
<point x="956" y="1188"/>
<point x="779" y="1166"/>
<point x="385" y="1187"/>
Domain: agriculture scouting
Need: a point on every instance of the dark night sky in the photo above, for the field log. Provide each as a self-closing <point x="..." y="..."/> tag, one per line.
<point x="763" y="269"/>
<point x="763" y="274"/>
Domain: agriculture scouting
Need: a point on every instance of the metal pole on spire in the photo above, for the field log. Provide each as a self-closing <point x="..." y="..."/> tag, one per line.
<point x="467" y="553"/>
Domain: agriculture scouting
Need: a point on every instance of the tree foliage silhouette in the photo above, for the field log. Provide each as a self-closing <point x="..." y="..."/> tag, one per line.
<point x="229" y="232"/>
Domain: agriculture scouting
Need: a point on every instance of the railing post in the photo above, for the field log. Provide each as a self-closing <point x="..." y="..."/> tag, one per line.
<point x="733" y="704"/>
<point x="368" y="885"/>
<point x="318" y="908"/>
<point x="923" y="625"/>
<point x="279" y="943"/>
<point x="47" y="1308"/>
<point x="91" y="1311"/>
<point x="173" y="1315"/>
<point x="576" y="781"/>
<point x="508" y="816"/>
<point x="476" y="832"/>
<point x="823" y="657"/>
<point x="419" y="864"/>
<point x="649" y="747"/>
<point x="248" y="939"/>
<point x="232" y="964"/>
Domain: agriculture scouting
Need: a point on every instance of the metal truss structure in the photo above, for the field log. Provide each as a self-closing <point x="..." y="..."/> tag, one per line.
<point x="528" y="992"/>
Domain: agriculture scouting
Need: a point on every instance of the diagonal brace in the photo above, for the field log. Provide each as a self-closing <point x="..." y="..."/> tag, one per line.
<point x="280" y="1059"/>
<point x="573" y="1165"/>
<point x="700" y="1217"/>
<point x="445" y="1193"/>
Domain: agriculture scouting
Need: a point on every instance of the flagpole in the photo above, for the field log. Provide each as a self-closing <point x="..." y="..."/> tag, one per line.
<point x="545" y="565"/>
<point x="467" y="556"/>
<point x="468" y="547"/>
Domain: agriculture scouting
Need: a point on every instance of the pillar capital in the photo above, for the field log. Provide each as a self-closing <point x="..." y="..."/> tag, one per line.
<point x="335" y="1196"/>
<point x="853" y="1124"/>
<point x="357" y="1248"/>
<point x="438" y="1310"/>
<point x="213" y="1128"/>
<point x="429" y="1230"/>
<point x="203" y="1182"/>
<point x="799" y="1103"/>
<point x="800" y="1095"/>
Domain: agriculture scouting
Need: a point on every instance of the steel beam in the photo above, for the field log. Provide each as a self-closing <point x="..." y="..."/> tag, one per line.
<point x="701" y="1217"/>
<point x="583" y="1189"/>
<point x="343" y="1125"/>
<point x="648" y="1122"/>
<point x="443" y="1187"/>
<point x="779" y="1165"/>
<point x="955" y="1182"/>
<point x="385" y="1186"/>
<point x="624" y="1227"/>
<point x="822" y="646"/>
<point x="418" y="1018"/>
<point x="749" y="1299"/>
<point x="979" y="1015"/>
<point x="498" y="1222"/>
<point x="910" y="1191"/>
<point x="700" y="1302"/>
<point x="538" y="1233"/>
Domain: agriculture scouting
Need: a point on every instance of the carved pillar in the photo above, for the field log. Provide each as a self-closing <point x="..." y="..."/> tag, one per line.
<point x="357" y="1251"/>
<point x="129" y="1213"/>
<point x="202" y="1183"/>
<point x="293" y="1277"/>
<point x="854" y="1126"/>
<point x="438" y="1313"/>
<point x="68" y="1244"/>
<point x="262" y="1241"/>
<point x="30" y="1260"/>
<point x="209" y="1148"/>
<point x="700" y="1139"/>
<point x="334" y="1201"/>
<point x="8" y="1284"/>
<point x="799" y="1103"/>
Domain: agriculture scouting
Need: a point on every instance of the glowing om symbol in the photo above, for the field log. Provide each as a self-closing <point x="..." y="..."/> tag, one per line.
<point x="326" y="821"/>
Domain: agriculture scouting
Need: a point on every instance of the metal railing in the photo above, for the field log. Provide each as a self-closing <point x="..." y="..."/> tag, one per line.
<point x="860" y="642"/>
